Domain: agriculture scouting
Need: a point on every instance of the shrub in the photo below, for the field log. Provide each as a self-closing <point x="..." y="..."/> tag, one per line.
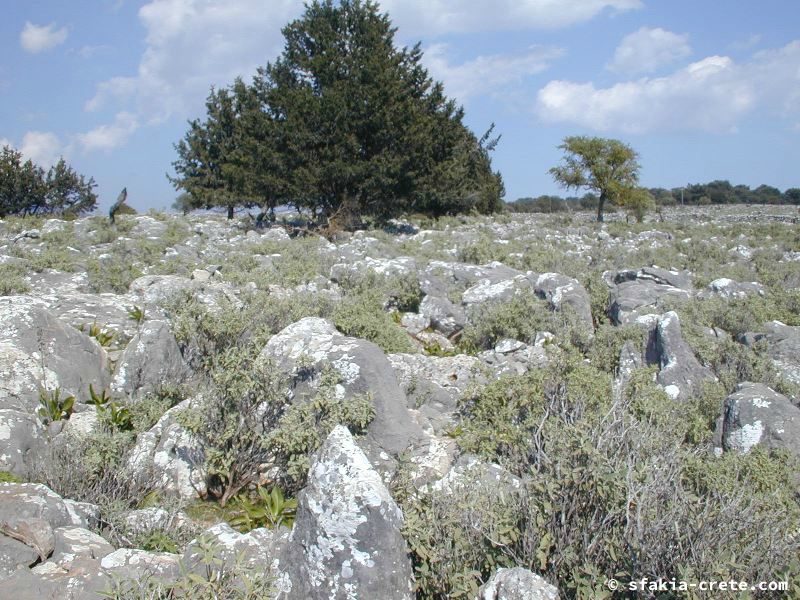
<point x="244" y="402"/>
<point x="114" y="273"/>
<point x="520" y="318"/>
<point x="612" y="485"/>
<point x="53" y="406"/>
<point x="362" y="315"/>
<point x="12" y="280"/>
<point x="207" y="577"/>
<point x="306" y="423"/>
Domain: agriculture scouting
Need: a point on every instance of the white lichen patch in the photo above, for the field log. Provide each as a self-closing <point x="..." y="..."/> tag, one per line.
<point x="746" y="437"/>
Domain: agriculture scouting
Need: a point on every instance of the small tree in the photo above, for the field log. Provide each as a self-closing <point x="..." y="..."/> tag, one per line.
<point x="25" y="188"/>
<point x="637" y="201"/>
<point x="605" y="166"/>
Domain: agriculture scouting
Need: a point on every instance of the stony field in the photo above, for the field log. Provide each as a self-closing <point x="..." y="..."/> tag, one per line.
<point x="191" y="407"/>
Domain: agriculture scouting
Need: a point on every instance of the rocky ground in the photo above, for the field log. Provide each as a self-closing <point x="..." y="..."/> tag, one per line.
<point x="159" y="378"/>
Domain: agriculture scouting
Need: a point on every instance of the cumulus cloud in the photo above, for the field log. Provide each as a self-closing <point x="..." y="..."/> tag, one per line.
<point x="192" y="44"/>
<point x="42" y="147"/>
<point x="108" y="137"/>
<point x="713" y="94"/>
<point x="486" y="74"/>
<point x="456" y="16"/>
<point x="38" y="38"/>
<point x="647" y="49"/>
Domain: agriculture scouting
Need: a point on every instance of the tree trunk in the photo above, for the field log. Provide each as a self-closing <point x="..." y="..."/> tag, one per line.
<point x="600" y="204"/>
<point x="230" y="212"/>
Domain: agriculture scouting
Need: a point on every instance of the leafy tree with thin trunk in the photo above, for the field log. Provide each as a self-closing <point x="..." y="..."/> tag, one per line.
<point x="608" y="167"/>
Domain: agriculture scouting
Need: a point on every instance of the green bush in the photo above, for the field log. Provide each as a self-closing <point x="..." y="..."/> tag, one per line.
<point x="611" y="485"/>
<point x="114" y="273"/>
<point x="520" y="318"/>
<point x="207" y="577"/>
<point x="244" y="401"/>
<point x="12" y="280"/>
<point x="362" y="315"/>
<point x="306" y="423"/>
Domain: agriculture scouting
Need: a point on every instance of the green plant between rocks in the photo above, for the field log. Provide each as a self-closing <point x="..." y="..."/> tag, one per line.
<point x="53" y="407"/>
<point x="268" y="509"/>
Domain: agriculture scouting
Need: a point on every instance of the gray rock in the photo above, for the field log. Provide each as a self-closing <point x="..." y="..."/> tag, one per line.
<point x="147" y="519"/>
<point x="172" y="455"/>
<point x="487" y="290"/>
<point x="784" y="349"/>
<point x="23" y="502"/>
<point x="363" y="368"/>
<point x="15" y="554"/>
<point x="756" y="415"/>
<point x="71" y="542"/>
<point x="147" y="227"/>
<point x="517" y="584"/>
<point x="109" y="311"/>
<point x="151" y="359"/>
<point x="38" y="350"/>
<point x="414" y="323"/>
<point x="560" y="291"/>
<point x="444" y="316"/>
<point x="159" y="289"/>
<point x="257" y="549"/>
<point x="346" y="541"/>
<point x="403" y="265"/>
<point x="680" y="372"/>
<point x="728" y="288"/>
<point x="22" y="584"/>
<point x="127" y="563"/>
<point x="22" y="441"/>
<point x="433" y="384"/>
<point x="644" y="291"/>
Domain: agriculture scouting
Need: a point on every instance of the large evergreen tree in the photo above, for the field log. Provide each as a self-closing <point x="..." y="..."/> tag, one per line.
<point x="343" y="124"/>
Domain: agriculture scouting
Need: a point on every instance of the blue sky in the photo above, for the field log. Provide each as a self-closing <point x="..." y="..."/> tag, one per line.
<point x="702" y="89"/>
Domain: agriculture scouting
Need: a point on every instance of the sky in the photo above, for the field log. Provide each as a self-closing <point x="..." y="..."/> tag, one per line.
<point x="701" y="89"/>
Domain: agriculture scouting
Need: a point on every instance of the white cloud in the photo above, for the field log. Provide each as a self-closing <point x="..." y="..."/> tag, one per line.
<point x="42" y="147"/>
<point x="747" y="43"/>
<point x="486" y="74"/>
<point x="457" y="16"/>
<point x="192" y="44"/>
<point x="647" y="49"/>
<point x="713" y="94"/>
<point x="108" y="137"/>
<point x="88" y="51"/>
<point x="36" y="38"/>
<point x="120" y="89"/>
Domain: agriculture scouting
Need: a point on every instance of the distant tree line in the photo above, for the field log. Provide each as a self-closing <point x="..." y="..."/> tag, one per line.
<point x="342" y="125"/>
<point x="27" y="189"/>
<point x="699" y="194"/>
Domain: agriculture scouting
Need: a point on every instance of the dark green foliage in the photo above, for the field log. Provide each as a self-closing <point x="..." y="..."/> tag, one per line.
<point x="714" y="192"/>
<point x="25" y="188"/>
<point x="344" y="125"/>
